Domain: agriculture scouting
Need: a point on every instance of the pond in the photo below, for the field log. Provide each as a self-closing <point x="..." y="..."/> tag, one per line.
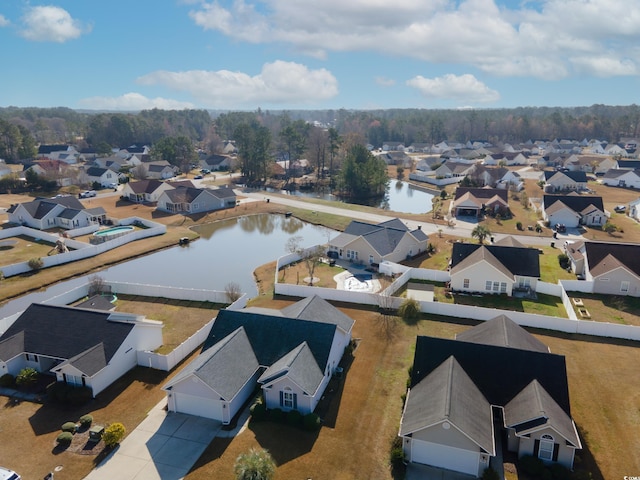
<point x="400" y="197"/>
<point x="227" y="251"/>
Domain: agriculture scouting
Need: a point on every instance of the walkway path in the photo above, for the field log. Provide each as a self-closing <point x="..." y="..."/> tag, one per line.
<point x="461" y="228"/>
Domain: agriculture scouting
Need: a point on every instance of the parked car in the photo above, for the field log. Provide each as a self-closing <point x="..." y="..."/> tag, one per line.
<point x="112" y="185"/>
<point x="87" y="194"/>
<point x="198" y="177"/>
<point x="6" y="474"/>
<point x="620" y="208"/>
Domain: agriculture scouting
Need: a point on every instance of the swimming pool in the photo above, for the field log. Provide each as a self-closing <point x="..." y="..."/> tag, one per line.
<point x="111" y="233"/>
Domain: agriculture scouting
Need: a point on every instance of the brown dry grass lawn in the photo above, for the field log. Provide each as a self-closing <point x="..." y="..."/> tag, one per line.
<point x="610" y="308"/>
<point x="24" y="249"/>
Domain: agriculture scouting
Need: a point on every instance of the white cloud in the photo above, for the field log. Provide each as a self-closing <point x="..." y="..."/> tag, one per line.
<point x="51" y="24"/>
<point x="279" y="83"/>
<point x="538" y="39"/>
<point x="385" y="82"/>
<point x="461" y="88"/>
<point x="3" y="21"/>
<point x="133" y="101"/>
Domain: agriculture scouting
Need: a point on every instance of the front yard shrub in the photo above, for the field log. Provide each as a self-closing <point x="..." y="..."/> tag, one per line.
<point x="563" y="260"/>
<point x="68" y="427"/>
<point x="113" y="434"/>
<point x="294" y="418"/>
<point x="531" y="466"/>
<point x="7" y="380"/>
<point x="27" y="377"/>
<point x="277" y="415"/>
<point x="409" y="310"/>
<point x="35" y="264"/>
<point x="311" y="422"/>
<point x="85" y="420"/>
<point x="519" y="225"/>
<point x="396" y="456"/>
<point x="62" y="393"/>
<point x="64" y="438"/>
<point x="258" y="411"/>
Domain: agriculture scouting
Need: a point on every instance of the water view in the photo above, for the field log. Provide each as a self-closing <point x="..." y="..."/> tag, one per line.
<point x="401" y="197"/>
<point x="227" y="251"/>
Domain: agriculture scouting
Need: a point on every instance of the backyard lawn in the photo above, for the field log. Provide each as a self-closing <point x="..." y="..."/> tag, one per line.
<point x="24" y="249"/>
<point x="609" y="308"/>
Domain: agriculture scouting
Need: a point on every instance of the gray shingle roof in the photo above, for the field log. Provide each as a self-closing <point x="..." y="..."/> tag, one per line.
<point x="64" y="333"/>
<point x="518" y="261"/>
<point x="317" y="309"/>
<point x="448" y="394"/>
<point x="503" y="332"/>
<point x="300" y="366"/>
<point x="383" y="237"/>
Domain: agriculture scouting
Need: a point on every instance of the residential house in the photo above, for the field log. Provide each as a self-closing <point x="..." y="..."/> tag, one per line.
<point x="189" y="200"/>
<point x="622" y="178"/>
<point x="160" y="170"/>
<point x="5" y="170"/>
<point x="508" y="158"/>
<point x="452" y="168"/>
<point x="217" y="162"/>
<point x="229" y="147"/>
<point x="425" y="164"/>
<point x="102" y="176"/>
<point x="290" y="354"/>
<point x="614" y="268"/>
<point x="494" y="379"/>
<point x="628" y="164"/>
<point x="54" y="170"/>
<point x="397" y="158"/>
<point x="62" y="212"/>
<point x="487" y="176"/>
<point x="81" y="347"/>
<point x="634" y="209"/>
<point x="49" y="151"/>
<point x="149" y="191"/>
<point x="393" y="147"/>
<point x="573" y="210"/>
<point x="493" y="269"/>
<point x="557" y="181"/>
<point x="365" y="242"/>
<point x="614" y="149"/>
<point x="475" y="202"/>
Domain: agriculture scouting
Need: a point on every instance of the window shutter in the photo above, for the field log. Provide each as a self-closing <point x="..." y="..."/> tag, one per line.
<point x="281" y="398"/>
<point x="536" y="447"/>
<point x="556" y="450"/>
<point x="295" y="401"/>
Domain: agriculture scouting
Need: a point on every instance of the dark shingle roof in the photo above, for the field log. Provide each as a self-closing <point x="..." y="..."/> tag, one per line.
<point x="300" y="366"/>
<point x="383" y="237"/>
<point x="318" y="310"/>
<point x="503" y="332"/>
<point x="499" y="372"/>
<point x="40" y="207"/>
<point x="483" y="193"/>
<point x="184" y="194"/>
<point x="448" y="393"/>
<point x="517" y="260"/>
<point x="626" y="253"/>
<point x="47" y="149"/>
<point x="577" y="176"/>
<point x="629" y="164"/>
<point x="64" y="332"/>
<point x="96" y="171"/>
<point x="145" y="186"/>
<point x="577" y="203"/>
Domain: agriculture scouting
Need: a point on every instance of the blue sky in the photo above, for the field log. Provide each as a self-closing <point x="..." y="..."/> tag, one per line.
<point x="309" y="54"/>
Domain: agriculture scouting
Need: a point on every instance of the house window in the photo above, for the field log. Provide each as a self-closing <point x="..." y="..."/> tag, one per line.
<point x="624" y="287"/>
<point x="74" y="380"/>
<point x="524" y="283"/>
<point x="465" y="283"/>
<point x="488" y="285"/>
<point x="32" y="358"/>
<point x="546" y="447"/>
<point x="503" y="287"/>
<point x="288" y="399"/>
<point x="370" y="259"/>
<point x="352" y="254"/>
<point x="496" y="286"/>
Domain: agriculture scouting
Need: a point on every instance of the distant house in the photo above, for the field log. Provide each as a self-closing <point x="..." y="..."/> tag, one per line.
<point x="563" y="181"/>
<point x="391" y="240"/>
<point x="393" y="147"/>
<point x="495" y="379"/>
<point x="573" y="210"/>
<point x="103" y="176"/>
<point x="425" y="163"/>
<point x="161" y="170"/>
<point x="397" y="158"/>
<point x="452" y="168"/>
<point x="634" y="209"/>
<point x="190" y="200"/>
<point x="508" y="158"/>
<point x="62" y="212"/>
<point x="622" y="178"/>
<point x="628" y="164"/>
<point x="493" y="269"/>
<point x="81" y="347"/>
<point x="217" y="162"/>
<point x="54" y="170"/>
<point x="614" y="268"/>
<point x="290" y="354"/>
<point x="469" y="201"/>
<point x="149" y="191"/>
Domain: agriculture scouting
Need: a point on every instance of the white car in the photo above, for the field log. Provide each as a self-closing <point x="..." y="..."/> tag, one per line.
<point x="6" y="474"/>
<point x="87" y="194"/>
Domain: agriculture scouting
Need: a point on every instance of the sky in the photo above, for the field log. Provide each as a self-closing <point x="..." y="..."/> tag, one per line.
<point x="311" y="54"/>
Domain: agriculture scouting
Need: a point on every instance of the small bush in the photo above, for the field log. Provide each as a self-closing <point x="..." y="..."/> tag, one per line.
<point x="113" y="434"/>
<point x="531" y="466"/>
<point x="7" y="380"/>
<point x="563" y="260"/>
<point x="519" y="225"/>
<point x="277" y="415"/>
<point x="86" y="420"/>
<point x="490" y="474"/>
<point x="410" y="309"/>
<point x="64" y="438"/>
<point x="35" y="264"/>
<point x="68" y="427"/>
<point x="294" y="418"/>
<point x="311" y="422"/>
<point x="27" y="376"/>
<point x="258" y="411"/>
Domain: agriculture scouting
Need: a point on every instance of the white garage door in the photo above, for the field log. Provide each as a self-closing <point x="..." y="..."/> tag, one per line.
<point x="198" y="406"/>
<point x="443" y="456"/>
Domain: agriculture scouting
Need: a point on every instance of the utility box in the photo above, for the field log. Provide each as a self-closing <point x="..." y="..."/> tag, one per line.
<point x="95" y="434"/>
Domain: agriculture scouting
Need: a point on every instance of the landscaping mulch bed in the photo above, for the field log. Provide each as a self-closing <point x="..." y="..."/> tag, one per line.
<point x="82" y="446"/>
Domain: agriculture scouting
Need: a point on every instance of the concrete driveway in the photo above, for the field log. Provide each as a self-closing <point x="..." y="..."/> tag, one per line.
<point x="163" y="447"/>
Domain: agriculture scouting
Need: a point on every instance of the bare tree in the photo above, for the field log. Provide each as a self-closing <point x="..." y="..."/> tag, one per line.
<point x="233" y="291"/>
<point x="387" y="318"/>
<point x="139" y="172"/>
<point x="97" y="285"/>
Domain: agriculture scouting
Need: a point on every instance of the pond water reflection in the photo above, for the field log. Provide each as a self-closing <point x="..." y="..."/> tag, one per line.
<point x="400" y="197"/>
<point x="227" y="251"/>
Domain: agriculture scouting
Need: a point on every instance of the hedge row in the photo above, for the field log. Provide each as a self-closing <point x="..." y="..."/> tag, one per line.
<point x="310" y="422"/>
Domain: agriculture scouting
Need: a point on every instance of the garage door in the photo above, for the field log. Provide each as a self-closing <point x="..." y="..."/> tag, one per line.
<point x="198" y="406"/>
<point x="443" y="456"/>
